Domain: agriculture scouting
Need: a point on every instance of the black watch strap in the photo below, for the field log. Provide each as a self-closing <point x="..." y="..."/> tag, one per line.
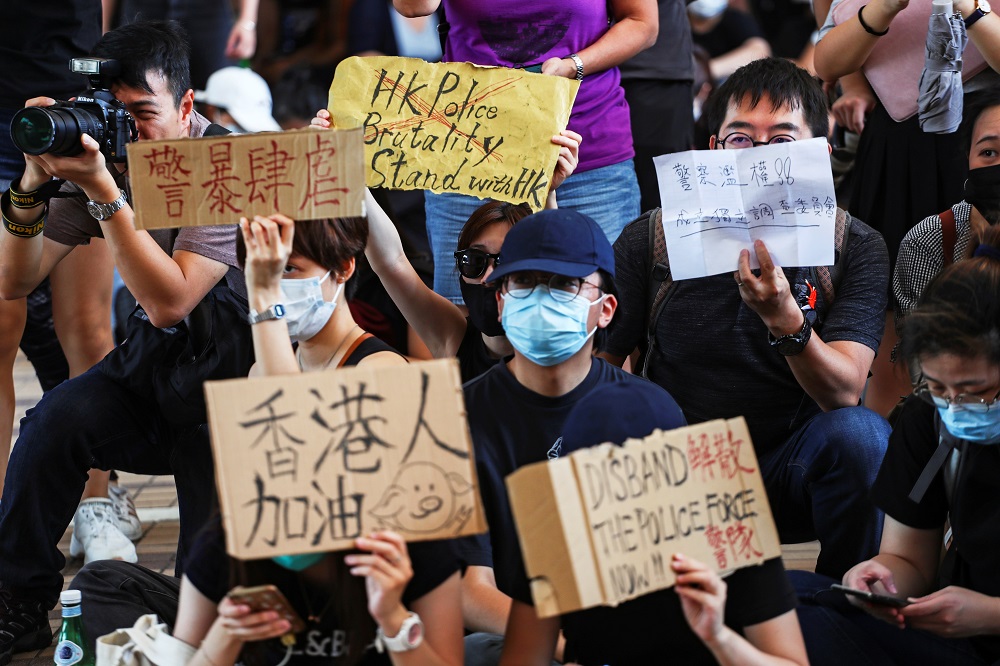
<point x="793" y="343"/>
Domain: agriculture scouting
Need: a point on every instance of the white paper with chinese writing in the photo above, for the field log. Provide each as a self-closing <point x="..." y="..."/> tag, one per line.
<point x="718" y="202"/>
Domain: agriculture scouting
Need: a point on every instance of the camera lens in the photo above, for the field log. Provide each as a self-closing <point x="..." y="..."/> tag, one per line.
<point x="38" y="130"/>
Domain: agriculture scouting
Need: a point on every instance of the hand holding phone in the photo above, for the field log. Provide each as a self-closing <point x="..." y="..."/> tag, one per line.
<point x="267" y="598"/>
<point x="872" y="597"/>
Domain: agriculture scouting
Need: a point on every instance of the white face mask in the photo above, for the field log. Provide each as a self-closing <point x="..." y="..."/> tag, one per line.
<point x="707" y="9"/>
<point x="306" y="311"/>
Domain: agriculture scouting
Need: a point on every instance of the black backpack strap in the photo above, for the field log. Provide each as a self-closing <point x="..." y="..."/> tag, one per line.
<point x="658" y="286"/>
<point x="215" y="129"/>
<point x="946" y="444"/>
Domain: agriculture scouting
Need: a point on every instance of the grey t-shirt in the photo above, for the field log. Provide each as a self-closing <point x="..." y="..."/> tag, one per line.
<point x="669" y="59"/>
<point x="69" y="223"/>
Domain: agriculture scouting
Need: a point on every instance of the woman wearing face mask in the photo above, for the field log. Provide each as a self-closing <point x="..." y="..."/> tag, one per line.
<point x="295" y="284"/>
<point x="942" y="465"/>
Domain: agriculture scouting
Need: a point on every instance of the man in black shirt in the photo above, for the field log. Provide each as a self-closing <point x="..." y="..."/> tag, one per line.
<point x="766" y="344"/>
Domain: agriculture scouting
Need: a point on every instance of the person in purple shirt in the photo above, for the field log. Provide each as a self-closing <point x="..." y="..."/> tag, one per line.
<point x="578" y="40"/>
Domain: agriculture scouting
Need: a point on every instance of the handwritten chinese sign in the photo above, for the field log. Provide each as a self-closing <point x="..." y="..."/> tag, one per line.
<point x="623" y="512"/>
<point x="454" y="127"/>
<point x="305" y="174"/>
<point x="718" y="202"/>
<point x="310" y="462"/>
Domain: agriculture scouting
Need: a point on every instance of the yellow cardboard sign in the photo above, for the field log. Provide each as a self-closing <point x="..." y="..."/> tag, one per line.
<point x="454" y="127"/>
<point x="308" y="463"/>
<point x="305" y="174"/>
<point x="599" y="526"/>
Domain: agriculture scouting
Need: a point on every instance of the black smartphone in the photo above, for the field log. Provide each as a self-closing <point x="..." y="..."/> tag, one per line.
<point x="872" y="597"/>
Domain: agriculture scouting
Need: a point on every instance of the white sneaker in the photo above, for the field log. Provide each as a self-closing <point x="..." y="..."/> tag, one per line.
<point x="125" y="513"/>
<point x="96" y="535"/>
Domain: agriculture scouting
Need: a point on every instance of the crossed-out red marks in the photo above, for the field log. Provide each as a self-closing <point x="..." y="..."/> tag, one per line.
<point x="398" y="90"/>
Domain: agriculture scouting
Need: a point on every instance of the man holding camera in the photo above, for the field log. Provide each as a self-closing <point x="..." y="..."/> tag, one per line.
<point x="112" y="416"/>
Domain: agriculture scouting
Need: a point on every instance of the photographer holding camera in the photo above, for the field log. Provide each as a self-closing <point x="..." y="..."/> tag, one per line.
<point x="140" y="409"/>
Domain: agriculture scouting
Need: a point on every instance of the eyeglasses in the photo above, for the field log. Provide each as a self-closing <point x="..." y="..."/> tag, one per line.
<point x="561" y="288"/>
<point x="472" y="263"/>
<point x="741" y="140"/>
<point x="967" y="401"/>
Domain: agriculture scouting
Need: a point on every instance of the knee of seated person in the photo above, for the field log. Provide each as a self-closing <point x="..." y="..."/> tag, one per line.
<point x="101" y="575"/>
<point x="857" y="433"/>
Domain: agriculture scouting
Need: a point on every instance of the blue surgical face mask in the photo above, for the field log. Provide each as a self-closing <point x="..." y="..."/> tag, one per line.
<point x="544" y="330"/>
<point x="298" y="562"/>
<point x="972" y="426"/>
<point x="306" y="311"/>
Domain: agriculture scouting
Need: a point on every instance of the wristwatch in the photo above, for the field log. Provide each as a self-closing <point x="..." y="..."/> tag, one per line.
<point x="410" y="636"/>
<point x="102" y="211"/>
<point x="982" y="9"/>
<point x="794" y="343"/>
<point x="276" y="311"/>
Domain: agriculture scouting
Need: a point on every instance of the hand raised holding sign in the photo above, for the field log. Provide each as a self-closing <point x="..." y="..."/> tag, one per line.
<point x="569" y="156"/>
<point x="703" y="597"/>
<point x="387" y="570"/>
<point x="769" y="295"/>
<point x="268" y="242"/>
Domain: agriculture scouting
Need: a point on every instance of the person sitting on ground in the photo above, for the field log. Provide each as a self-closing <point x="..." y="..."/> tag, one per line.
<point x="731" y="37"/>
<point x="748" y="618"/>
<point x="941" y="469"/>
<point x="769" y="344"/>
<point x="113" y="416"/>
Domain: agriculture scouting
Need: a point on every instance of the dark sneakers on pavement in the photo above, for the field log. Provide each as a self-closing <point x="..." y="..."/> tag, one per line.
<point x="24" y="626"/>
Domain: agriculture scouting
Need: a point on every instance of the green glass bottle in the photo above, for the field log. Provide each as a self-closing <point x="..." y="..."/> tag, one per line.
<point x="71" y="647"/>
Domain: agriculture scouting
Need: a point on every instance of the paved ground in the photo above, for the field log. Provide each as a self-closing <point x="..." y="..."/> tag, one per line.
<point x="156" y="501"/>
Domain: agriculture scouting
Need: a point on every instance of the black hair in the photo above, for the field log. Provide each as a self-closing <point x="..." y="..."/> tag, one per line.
<point x="784" y="83"/>
<point x="149" y="46"/>
<point x="976" y="104"/>
<point x="609" y="287"/>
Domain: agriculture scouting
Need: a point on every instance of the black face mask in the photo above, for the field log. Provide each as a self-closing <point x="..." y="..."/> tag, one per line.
<point x="982" y="190"/>
<point x="482" y="303"/>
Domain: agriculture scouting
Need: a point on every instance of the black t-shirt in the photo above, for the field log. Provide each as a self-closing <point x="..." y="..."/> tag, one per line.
<point x="669" y="59"/>
<point x="512" y="426"/>
<point x="323" y="642"/>
<point x="644" y="630"/>
<point x="473" y="357"/>
<point x="730" y="33"/>
<point x="974" y="508"/>
<point x="711" y="350"/>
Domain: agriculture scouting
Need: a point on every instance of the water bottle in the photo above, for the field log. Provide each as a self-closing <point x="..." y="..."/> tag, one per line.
<point x="71" y="648"/>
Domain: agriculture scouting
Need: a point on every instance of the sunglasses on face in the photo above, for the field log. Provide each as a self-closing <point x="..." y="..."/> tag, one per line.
<point x="472" y="263"/>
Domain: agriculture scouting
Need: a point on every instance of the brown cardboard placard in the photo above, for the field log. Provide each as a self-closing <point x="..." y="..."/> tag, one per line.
<point x="305" y="174"/>
<point x="599" y="527"/>
<point x="454" y="127"/>
<point x="307" y="463"/>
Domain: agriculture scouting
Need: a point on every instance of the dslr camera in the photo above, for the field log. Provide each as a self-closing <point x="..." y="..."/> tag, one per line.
<point x="57" y="129"/>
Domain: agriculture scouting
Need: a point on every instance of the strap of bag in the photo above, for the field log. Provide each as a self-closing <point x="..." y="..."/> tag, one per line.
<point x="660" y="281"/>
<point x="948" y="236"/>
<point x="354" y="346"/>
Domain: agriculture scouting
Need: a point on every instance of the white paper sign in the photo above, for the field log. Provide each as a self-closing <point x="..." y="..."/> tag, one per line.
<point x="718" y="202"/>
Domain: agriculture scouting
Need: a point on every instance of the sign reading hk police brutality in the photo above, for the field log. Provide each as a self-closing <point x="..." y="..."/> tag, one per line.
<point x="718" y="202"/>
<point x="599" y="526"/>
<point x="454" y="127"/>
<point x="305" y="174"/>
<point x="309" y="462"/>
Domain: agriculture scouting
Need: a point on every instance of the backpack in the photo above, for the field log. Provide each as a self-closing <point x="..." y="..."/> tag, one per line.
<point x="659" y="288"/>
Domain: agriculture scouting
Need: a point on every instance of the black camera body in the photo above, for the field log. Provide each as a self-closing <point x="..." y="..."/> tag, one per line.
<point x="57" y="129"/>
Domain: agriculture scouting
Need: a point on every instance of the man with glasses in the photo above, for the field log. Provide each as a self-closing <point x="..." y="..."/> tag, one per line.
<point x="765" y="344"/>
<point x="556" y="296"/>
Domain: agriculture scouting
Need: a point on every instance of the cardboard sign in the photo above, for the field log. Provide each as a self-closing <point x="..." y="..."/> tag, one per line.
<point x="718" y="202"/>
<point x="307" y="463"/>
<point x="454" y="127"/>
<point x="598" y="527"/>
<point x="305" y="174"/>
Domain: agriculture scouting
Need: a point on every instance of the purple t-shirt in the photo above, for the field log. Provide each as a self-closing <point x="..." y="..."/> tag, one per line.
<point x="514" y="33"/>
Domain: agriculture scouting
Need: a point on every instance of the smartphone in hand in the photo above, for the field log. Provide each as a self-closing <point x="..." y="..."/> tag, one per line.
<point x="265" y="598"/>
<point x="872" y="597"/>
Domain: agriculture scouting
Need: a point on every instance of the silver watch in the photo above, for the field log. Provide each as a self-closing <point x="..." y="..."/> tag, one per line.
<point x="276" y="311"/>
<point x="102" y="211"/>
<point x="410" y="636"/>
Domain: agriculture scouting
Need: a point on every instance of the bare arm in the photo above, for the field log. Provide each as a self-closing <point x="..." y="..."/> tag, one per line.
<point x="242" y="40"/>
<point x="984" y="33"/>
<point x="412" y="8"/>
<point x="635" y="29"/>
<point x="752" y="49"/>
<point x="845" y="48"/>
<point x="529" y="640"/>
<point x="440" y="611"/>
<point x="484" y="607"/>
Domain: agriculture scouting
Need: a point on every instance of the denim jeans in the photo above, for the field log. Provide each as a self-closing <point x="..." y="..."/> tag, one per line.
<point x="90" y="421"/>
<point x="610" y="195"/>
<point x="837" y="633"/>
<point x="818" y="481"/>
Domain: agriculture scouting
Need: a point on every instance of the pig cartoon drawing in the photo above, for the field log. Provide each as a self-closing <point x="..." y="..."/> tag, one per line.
<point x="424" y="499"/>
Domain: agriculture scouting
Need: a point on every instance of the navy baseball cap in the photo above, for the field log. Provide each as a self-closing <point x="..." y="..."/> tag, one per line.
<point x="563" y="242"/>
<point x="617" y="412"/>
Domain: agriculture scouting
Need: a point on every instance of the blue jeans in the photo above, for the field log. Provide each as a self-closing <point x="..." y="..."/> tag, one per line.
<point x="90" y="421"/>
<point x="818" y="481"/>
<point x="837" y="633"/>
<point x="610" y="195"/>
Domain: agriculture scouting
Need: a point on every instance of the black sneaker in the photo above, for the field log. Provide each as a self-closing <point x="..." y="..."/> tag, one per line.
<point x="24" y="626"/>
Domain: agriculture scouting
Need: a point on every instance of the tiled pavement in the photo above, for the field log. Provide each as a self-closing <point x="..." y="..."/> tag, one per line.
<point x="156" y="501"/>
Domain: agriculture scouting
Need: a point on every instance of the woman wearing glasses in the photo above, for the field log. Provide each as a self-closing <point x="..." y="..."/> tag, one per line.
<point x="942" y="464"/>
